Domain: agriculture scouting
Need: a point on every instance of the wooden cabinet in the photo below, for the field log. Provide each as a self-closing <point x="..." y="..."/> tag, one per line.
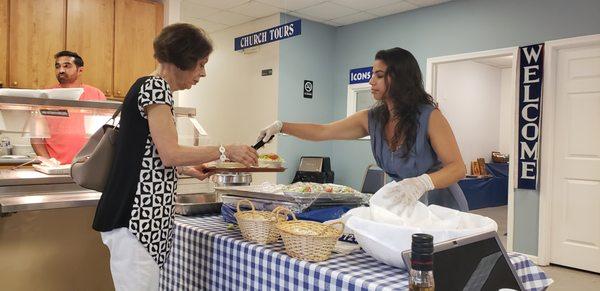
<point x="90" y="33"/>
<point x="134" y="54"/>
<point x="114" y="37"/>
<point x="3" y="42"/>
<point x="36" y="33"/>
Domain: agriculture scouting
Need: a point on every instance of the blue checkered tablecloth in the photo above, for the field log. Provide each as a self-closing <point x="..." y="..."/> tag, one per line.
<point x="205" y="255"/>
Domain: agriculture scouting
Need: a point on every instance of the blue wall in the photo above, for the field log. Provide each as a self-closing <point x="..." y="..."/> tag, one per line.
<point x="450" y="28"/>
<point x="309" y="56"/>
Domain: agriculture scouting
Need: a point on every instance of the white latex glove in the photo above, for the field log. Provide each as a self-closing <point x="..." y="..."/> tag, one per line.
<point x="269" y="131"/>
<point x="411" y="189"/>
<point x="397" y="202"/>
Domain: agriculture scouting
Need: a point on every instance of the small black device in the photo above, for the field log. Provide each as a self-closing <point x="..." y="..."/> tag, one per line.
<point x="314" y="169"/>
<point x="374" y="179"/>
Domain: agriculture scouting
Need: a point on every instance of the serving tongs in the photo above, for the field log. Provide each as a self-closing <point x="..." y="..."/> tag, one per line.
<point x="261" y="143"/>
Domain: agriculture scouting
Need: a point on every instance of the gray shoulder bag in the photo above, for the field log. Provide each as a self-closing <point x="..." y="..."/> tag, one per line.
<point x="91" y="166"/>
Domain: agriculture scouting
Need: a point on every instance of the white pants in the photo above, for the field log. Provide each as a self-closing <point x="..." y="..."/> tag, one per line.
<point x="131" y="265"/>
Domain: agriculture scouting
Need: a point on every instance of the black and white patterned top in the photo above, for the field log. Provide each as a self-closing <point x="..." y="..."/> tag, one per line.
<point x="152" y="213"/>
<point x="141" y="190"/>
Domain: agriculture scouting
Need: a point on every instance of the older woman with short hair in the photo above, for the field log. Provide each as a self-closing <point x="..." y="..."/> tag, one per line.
<point x="135" y="212"/>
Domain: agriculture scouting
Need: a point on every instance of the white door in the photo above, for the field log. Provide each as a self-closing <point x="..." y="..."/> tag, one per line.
<point x="575" y="224"/>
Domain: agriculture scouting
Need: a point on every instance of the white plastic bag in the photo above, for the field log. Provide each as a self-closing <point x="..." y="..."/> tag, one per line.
<point x="386" y="241"/>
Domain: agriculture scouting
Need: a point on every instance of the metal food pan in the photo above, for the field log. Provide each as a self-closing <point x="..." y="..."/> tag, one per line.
<point x="190" y="209"/>
<point x="250" y="192"/>
<point x="197" y="198"/>
<point x="196" y="204"/>
<point x="261" y="204"/>
<point x="269" y="205"/>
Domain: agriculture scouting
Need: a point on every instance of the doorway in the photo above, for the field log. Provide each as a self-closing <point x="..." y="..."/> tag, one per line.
<point x="477" y="92"/>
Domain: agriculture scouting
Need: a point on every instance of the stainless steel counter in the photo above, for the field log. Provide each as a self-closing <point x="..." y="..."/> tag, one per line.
<point x="27" y="189"/>
<point x="21" y="177"/>
<point x="49" y="201"/>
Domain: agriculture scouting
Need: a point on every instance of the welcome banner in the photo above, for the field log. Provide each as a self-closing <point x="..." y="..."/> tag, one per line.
<point x="531" y="71"/>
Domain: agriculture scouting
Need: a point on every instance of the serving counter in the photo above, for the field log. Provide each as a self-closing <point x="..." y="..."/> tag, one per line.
<point x="29" y="190"/>
<point x="206" y="255"/>
<point x="46" y="238"/>
<point x="25" y="189"/>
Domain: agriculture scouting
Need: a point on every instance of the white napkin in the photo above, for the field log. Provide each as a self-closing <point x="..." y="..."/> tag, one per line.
<point x="49" y="162"/>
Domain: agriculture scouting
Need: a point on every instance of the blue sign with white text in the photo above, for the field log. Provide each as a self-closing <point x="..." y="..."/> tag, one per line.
<point x="283" y="31"/>
<point x="360" y="75"/>
<point x="531" y="73"/>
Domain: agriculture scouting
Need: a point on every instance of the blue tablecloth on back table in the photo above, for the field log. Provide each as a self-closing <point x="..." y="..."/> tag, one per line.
<point x="206" y="255"/>
<point x="487" y="192"/>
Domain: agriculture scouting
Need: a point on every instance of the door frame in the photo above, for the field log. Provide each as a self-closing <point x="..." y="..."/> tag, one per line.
<point x="430" y="86"/>
<point x="548" y="139"/>
<point x="353" y="90"/>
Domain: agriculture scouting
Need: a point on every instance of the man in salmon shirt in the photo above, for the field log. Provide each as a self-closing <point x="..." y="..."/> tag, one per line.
<point x="67" y="134"/>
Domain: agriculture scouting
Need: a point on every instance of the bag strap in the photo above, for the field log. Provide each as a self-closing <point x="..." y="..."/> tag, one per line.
<point x="117" y="112"/>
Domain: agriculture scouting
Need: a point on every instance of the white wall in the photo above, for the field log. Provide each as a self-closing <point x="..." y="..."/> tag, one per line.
<point x="507" y="110"/>
<point x="234" y="101"/>
<point x="469" y="96"/>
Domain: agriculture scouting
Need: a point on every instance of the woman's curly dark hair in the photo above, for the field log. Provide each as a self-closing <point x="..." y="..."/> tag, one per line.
<point x="404" y="84"/>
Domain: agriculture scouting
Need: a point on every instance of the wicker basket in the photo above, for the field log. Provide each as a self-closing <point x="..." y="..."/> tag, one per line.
<point x="308" y="240"/>
<point x="258" y="226"/>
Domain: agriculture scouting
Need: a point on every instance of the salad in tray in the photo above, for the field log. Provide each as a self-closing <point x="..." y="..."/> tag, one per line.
<point x="310" y="187"/>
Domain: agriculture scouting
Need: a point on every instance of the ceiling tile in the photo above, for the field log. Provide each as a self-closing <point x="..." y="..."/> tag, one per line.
<point x="327" y="11"/>
<point x="220" y="4"/>
<point x="228" y="18"/>
<point x="256" y="9"/>
<point x="392" y="9"/>
<point x="354" y="18"/>
<point x="423" y="3"/>
<point x="291" y="5"/>
<point x="205" y="24"/>
<point x="195" y="10"/>
<point x="364" y="5"/>
<point x="309" y="17"/>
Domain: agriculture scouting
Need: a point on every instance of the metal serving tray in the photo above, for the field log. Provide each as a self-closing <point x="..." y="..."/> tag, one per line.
<point x="196" y="204"/>
<point x="254" y="192"/>
<point x="261" y="204"/>
<point x="269" y="205"/>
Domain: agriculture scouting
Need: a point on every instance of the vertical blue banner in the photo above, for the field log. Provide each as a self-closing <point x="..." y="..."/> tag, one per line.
<point x="280" y="32"/>
<point x="531" y="71"/>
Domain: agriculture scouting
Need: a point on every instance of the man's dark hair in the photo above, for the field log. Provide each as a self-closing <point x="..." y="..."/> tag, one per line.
<point x="78" y="60"/>
<point x="182" y="45"/>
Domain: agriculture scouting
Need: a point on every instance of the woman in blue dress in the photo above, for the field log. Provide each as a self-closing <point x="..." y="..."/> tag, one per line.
<point x="411" y="139"/>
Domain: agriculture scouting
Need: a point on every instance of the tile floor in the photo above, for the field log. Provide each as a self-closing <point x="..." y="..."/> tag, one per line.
<point x="564" y="278"/>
